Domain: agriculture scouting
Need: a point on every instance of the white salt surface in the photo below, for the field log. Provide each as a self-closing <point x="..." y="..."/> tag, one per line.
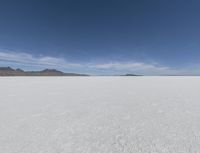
<point x="99" y="114"/>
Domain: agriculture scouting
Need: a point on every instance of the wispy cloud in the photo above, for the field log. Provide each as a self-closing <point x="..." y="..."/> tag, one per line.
<point x="113" y="67"/>
<point x="121" y="66"/>
<point x="132" y="67"/>
<point x="28" y="59"/>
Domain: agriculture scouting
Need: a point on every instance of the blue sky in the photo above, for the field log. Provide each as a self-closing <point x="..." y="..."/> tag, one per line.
<point x="157" y="37"/>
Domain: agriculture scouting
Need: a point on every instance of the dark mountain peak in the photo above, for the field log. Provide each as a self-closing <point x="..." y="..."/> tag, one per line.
<point x="19" y="70"/>
<point x="6" y="69"/>
<point x="51" y="70"/>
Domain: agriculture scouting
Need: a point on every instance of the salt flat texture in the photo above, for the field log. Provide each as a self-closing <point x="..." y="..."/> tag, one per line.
<point x="100" y="115"/>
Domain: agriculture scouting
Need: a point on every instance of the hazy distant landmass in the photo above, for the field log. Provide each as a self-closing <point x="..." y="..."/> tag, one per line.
<point x="8" y="71"/>
<point x="131" y="75"/>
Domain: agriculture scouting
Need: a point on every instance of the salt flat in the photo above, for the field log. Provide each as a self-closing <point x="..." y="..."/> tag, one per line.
<point x="99" y="114"/>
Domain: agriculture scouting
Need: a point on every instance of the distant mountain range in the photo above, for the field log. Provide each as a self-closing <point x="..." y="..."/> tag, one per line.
<point x="8" y="71"/>
<point x="131" y="75"/>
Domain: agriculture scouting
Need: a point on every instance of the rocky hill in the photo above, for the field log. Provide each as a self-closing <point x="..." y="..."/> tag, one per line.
<point x="8" y="71"/>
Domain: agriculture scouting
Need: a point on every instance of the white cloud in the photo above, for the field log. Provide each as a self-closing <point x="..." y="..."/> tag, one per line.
<point x="29" y="59"/>
<point x="128" y="66"/>
<point x="134" y="67"/>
